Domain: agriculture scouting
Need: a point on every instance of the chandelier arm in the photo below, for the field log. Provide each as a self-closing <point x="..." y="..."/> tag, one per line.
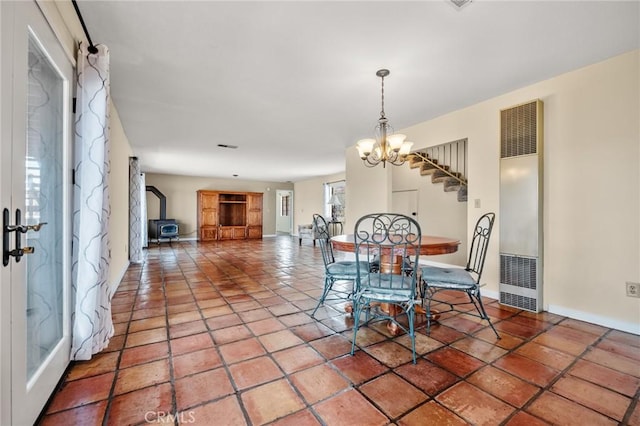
<point x="384" y="151"/>
<point x="371" y="162"/>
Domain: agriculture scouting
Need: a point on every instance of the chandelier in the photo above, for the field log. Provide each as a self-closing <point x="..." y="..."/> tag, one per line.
<point x="387" y="147"/>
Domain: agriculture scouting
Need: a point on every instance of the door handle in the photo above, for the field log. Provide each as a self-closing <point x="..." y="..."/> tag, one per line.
<point x="24" y="228"/>
<point x="18" y="228"/>
<point x="18" y="253"/>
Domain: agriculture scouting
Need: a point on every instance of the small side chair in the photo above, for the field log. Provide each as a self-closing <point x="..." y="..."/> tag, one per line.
<point x="435" y="279"/>
<point x="333" y="270"/>
<point x="307" y="231"/>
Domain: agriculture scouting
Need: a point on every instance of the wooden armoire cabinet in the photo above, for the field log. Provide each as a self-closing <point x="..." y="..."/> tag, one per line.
<point x="226" y="215"/>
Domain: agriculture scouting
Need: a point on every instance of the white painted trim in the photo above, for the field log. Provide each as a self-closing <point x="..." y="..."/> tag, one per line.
<point x="155" y="241"/>
<point x="60" y="28"/>
<point x="491" y="294"/>
<point x="427" y="262"/>
<point x="628" y="327"/>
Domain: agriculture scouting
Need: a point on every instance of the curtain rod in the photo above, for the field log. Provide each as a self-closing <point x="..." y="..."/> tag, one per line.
<point x="92" y="48"/>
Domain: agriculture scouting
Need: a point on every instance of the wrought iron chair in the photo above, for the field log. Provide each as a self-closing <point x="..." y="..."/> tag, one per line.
<point x="333" y="270"/>
<point x="394" y="239"/>
<point x="435" y="279"/>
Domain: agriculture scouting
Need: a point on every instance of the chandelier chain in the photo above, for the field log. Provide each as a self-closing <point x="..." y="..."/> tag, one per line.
<point x="387" y="147"/>
<point x="382" y="91"/>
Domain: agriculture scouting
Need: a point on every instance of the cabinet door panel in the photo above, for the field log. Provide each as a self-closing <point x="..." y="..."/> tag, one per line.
<point x="254" y="210"/>
<point x="226" y="232"/>
<point x="254" y="232"/>
<point x="209" y="217"/>
<point x="208" y="233"/>
<point x="209" y="201"/>
<point x="239" y="232"/>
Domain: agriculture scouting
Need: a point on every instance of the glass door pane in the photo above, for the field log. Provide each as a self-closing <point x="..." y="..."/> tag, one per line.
<point x="44" y="203"/>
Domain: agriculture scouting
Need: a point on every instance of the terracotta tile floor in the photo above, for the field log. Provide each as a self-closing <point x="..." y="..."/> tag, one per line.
<point x="220" y="334"/>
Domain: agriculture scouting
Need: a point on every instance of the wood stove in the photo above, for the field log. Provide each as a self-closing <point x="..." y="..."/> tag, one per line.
<point x="163" y="228"/>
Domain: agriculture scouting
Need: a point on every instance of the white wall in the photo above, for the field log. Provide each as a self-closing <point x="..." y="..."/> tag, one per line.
<point x="119" y="186"/>
<point x="591" y="180"/>
<point x="368" y="189"/>
<point x="439" y="213"/>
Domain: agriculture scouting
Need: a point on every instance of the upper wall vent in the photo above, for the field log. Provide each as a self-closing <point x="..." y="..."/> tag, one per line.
<point x="519" y="130"/>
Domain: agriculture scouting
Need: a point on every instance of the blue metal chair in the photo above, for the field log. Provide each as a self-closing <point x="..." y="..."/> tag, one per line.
<point x="333" y="270"/>
<point x="394" y="239"/>
<point x="435" y="279"/>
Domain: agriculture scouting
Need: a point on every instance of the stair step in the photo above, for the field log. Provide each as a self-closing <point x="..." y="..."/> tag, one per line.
<point x="451" y="184"/>
<point x="428" y="168"/>
<point x="439" y="176"/>
<point x="462" y="194"/>
<point x="415" y="162"/>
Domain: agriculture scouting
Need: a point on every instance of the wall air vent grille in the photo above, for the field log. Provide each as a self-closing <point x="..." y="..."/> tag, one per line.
<point x="518" y="130"/>
<point x="519" y="271"/>
<point x="522" y="302"/>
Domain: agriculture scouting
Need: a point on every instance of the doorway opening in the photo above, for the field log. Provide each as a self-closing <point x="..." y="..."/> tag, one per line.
<point x="284" y="212"/>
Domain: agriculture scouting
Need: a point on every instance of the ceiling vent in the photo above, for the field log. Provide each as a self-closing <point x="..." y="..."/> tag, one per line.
<point x="459" y="4"/>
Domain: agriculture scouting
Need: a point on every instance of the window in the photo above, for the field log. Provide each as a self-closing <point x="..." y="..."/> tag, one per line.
<point x="334" y="199"/>
<point x="285" y="205"/>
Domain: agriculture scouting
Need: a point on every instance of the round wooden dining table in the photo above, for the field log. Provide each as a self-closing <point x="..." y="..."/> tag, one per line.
<point x="429" y="246"/>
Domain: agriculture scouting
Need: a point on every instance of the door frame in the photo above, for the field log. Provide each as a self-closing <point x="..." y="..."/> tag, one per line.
<point x="12" y="17"/>
<point x="279" y="193"/>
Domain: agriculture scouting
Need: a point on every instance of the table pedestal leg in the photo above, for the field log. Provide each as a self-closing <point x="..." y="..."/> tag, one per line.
<point x="393" y="264"/>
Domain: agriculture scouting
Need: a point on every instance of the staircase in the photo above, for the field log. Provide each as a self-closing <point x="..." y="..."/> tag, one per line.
<point x="446" y="164"/>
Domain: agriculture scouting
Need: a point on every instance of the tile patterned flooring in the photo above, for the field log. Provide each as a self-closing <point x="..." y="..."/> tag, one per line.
<point x="220" y="334"/>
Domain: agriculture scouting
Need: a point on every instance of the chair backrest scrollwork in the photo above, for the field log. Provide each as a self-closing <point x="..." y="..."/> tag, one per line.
<point x="321" y="229"/>
<point x="480" y="243"/>
<point x="394" y="241"/>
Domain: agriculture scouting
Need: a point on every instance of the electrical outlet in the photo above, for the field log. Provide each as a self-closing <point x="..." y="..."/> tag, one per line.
<point x="633" y="289"/>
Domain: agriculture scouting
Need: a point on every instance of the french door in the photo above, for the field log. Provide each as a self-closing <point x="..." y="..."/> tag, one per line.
<point x="35" y="189"/>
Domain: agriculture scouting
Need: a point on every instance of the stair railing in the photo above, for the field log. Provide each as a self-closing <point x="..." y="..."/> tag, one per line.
<point x="450" y="158"/>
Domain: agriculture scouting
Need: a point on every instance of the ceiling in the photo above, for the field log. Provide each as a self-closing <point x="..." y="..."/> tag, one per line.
<point x="293" y="83"/>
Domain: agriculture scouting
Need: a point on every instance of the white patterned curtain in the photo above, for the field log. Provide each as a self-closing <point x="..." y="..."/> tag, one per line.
<point x="135" y="211"/>
<point x="143" y="207"/>
<point x="92" y="324"/>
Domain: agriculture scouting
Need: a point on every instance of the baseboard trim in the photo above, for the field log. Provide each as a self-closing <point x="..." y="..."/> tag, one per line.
<point x="116" y="283"/>
<point x="628" y="327"/>
<point x="154" y="241"/>
<point x="625" y="326"/>
<point x="490" y="294"/>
